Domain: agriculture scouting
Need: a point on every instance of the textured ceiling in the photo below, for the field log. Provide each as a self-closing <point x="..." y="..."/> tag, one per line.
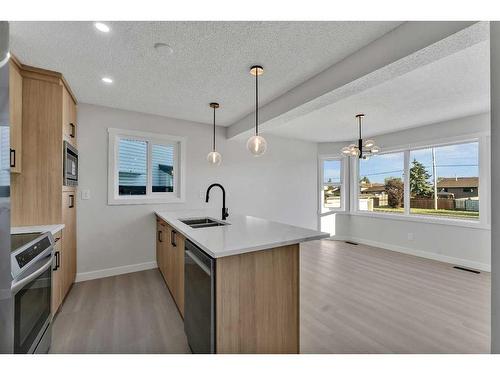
<point x="451" y="87"/>
<point x="210" y="61"/>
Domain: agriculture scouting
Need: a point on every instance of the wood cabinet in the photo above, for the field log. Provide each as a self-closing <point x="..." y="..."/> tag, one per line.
<point x="69" y="240"/>
<point x="15" y="114"/>
<point x="170" y="259"/>
<point x="57" y="275"/>
<point x="69" y="118"/>
<point x="38" y="196"/>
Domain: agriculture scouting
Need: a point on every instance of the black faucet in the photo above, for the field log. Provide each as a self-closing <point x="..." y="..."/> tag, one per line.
<point x="225" y="212"/>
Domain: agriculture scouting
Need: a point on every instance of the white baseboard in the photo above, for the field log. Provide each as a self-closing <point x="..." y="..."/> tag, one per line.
<point x="99" y="274"/>
<point x="419" y="253"/>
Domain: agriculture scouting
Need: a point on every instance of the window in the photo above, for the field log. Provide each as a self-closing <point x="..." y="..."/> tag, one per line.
<point x="444" y="181"/>
<point x="381" y="183"/>
<point x="331" y="189"/>
<point x="145" y="167"/>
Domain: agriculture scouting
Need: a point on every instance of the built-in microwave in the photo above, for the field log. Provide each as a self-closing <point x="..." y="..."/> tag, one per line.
<point x="70" y="166"/>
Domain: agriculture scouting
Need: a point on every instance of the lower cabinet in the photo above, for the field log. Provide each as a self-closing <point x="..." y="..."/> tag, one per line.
<point x="64" y="269"/>
<point x="170" y="259"/>
<point x="69" y="239"/>
<point x="57" y="275"/>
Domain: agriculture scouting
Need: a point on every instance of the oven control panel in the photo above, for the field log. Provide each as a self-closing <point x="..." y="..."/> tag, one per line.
<point x="32" y="252"/>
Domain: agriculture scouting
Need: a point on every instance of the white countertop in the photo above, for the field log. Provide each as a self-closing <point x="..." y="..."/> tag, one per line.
<point x="54" y="228"/>
<point x="244" y="234"/>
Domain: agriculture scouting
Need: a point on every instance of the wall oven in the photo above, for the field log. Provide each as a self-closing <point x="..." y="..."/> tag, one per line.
<point x="70" y="165"/>
<point x="31" y="289"/>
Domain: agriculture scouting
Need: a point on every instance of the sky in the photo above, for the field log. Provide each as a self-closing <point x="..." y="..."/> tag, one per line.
<point x="452" y="161"/>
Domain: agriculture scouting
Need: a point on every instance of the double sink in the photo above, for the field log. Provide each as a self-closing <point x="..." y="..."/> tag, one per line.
<point x="204" y="222"/>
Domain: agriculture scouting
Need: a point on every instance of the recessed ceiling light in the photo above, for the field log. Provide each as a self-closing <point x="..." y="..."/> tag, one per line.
<point x="107" y="80"/>
<point x="164" y="48"/>
<point x="102" y="27"/>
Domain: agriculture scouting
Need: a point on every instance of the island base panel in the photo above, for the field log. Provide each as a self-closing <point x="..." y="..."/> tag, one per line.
<point x="257" y="302"/>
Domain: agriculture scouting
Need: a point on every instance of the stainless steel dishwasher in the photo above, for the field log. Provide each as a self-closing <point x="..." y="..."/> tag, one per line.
<point x="199" y="299"/>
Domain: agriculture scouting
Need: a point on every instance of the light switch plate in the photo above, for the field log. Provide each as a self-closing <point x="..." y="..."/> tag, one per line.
<point x="85" y="194"/>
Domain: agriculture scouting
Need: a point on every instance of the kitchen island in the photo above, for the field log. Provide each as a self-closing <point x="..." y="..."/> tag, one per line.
<point x="256" y="277"/>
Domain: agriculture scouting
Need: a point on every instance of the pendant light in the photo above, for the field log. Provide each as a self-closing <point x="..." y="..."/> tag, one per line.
<point x="363" y="150"/>
<point x="214" y="157"/>
<point x="256" y="144"/>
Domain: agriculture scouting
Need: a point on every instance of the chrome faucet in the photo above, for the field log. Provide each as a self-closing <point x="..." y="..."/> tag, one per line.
<point x="225" y="212"/>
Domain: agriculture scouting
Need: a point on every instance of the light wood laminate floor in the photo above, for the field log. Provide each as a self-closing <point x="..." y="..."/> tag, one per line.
<point x="354" y="299"/>
<point x="362" y="299"/>
<point x="132" y="313"/>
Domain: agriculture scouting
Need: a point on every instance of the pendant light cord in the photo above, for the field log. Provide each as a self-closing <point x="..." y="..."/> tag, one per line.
<point x="214" y="129"/>
<point x="359" y="127"/>
<point x="257" y="101"/>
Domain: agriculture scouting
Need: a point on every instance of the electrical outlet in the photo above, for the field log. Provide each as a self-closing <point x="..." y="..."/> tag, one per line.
<point x="202" y="194"/>
<point x="85" y="194"/>
<point x="410" y="236"/>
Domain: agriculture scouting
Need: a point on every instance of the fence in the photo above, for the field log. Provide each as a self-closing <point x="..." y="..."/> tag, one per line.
<point x="428" y="203"/>
<point x="446" y="204"/>
<point x="467" y="204"/>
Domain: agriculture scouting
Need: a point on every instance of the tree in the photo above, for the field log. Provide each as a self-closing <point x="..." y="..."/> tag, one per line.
<point x="365" y="180"/>
<point x="419" y="180"/>
<point x="394" y="188"/>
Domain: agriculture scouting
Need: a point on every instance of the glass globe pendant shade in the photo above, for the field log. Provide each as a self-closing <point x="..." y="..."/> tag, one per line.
<point x="346" y="151"/>
<point x="214" y="158"/>
<point x="375" y="150"/>
<point x="369" y="143"/>
<point x="355" y="152"/>
<point x="257" y="145"/>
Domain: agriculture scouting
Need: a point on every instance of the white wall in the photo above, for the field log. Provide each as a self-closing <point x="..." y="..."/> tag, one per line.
<point x="461" y="245"/>
<point x="281" y="185"/>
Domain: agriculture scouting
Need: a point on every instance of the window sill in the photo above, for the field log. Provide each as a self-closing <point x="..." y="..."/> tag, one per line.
<point x="421" y="219"/>
<point x="142" y="200"/>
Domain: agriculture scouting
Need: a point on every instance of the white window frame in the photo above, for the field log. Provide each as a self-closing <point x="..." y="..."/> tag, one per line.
<point x="484" y="221"/>
<point x="344" y="177"/>
<point x="179" y="168"/>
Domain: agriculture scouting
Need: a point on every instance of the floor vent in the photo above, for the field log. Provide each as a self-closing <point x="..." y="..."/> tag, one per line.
<point x="351" y="243"/>
<point x="465" y="269"/>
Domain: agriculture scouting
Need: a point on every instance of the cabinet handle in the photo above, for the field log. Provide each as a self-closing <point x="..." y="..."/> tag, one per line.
<point x="160" y="239"/>
<point x="57" y="239"/>
<point x="172" y="238"/>
<point x="57" y="256"/>
<point x="73" y="128"/>
<point x="71" y="201"/>
<point x="12" y="158"/>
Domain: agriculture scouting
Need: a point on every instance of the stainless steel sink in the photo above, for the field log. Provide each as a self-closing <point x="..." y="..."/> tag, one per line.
<point x="204" y="222"/>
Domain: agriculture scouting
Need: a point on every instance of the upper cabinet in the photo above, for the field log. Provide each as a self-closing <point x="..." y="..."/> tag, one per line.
<point x="69" y="117"/>
<point x="16" y="116"/>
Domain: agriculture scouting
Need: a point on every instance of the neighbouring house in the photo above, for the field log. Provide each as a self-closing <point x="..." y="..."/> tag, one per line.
<point x="460" y="187"/>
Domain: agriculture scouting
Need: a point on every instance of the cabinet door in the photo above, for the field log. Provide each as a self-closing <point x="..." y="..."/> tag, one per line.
<point x="57" y="275"/>
<point x="69" y="118"/>
<point x="69" y="239"/>
<point x="167" y="256"/>
<point x="178" y="271"/>
<point x="15" y="114"/>
<point x="160" y="244"/>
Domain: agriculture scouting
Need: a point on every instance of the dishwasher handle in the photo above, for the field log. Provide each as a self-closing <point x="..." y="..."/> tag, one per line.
<point x="199" y="263"/>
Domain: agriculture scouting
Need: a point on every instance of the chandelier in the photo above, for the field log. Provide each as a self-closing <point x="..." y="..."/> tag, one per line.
<point x="364" y="149"/>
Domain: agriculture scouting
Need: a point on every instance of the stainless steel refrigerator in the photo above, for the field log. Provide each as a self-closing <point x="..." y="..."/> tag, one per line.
<point x="6" y="316"/>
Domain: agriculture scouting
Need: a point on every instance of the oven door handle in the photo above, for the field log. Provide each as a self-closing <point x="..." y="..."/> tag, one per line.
<point x="17" y="286"/>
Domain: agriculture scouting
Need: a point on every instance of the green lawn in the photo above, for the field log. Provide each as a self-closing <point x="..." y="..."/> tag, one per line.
<point x="424" y="211"/>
